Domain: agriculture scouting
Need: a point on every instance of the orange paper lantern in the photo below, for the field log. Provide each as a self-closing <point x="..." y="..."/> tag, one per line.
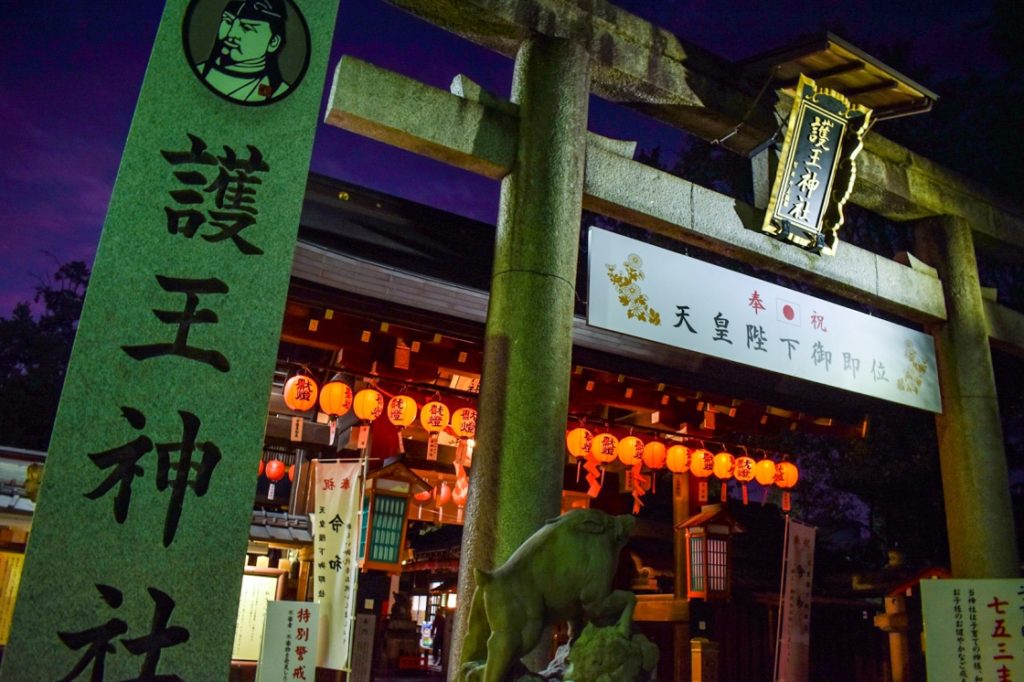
<point x="603" y="447"/>
<point x="401" y="411"/>
<point x="335" y="398"/>
<point x="368" y="404"/>
<point x="630" y="450"/>
<point x="434" y="417"/>
<point x="464" y="422"/>
<point x="275" y="470"/>
<point x="654" y="454"/>
<point x="677" y="459"/>
<point x="300" y="393"/>
<point x="702" y="463"/>
<point x="764" y="472"/>
<point x="424" y="496"/>
<point x="723" y="465"/>
<point x="577" y="442"/>
<point x="743" y="469"/>
<point x="786" y="475"/>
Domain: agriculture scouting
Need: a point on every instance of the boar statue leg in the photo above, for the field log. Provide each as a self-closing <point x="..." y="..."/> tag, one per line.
<point x="618" y="604"/>
<point x="474" y="644"/>
<point x="515" y="630"/>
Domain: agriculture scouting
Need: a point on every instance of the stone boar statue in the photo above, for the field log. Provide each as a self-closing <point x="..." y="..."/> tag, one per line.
<point x="563" y="572"/>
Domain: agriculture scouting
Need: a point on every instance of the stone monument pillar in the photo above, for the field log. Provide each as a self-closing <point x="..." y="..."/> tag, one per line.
<point x="979" y="516"/>
<point x="518" y="462"/>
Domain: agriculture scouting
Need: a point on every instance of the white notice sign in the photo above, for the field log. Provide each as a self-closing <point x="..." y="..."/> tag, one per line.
<point x="289" y="642"/>
<point x="974" y="629"/>
<point x="656" y="294"/>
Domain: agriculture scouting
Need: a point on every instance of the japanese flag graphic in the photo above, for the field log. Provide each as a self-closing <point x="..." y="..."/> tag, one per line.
<point x="787" y="312"/>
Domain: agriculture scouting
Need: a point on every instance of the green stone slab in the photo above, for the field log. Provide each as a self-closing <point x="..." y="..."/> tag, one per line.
<point x="133" y="352"/>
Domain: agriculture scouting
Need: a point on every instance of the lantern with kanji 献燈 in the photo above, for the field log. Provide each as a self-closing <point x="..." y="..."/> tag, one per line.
<point x="786" y="476"/>
<point x="368" y="404"/>
<point x="434" y="418"/>
<point x="722" y="468"/>
<point x="630" y="452"/>
<point x="577" y="442"/>
<point x="602" y="451"/>
<point x="300" y="392"/>
<point x="702" y="465"/>
<point x="464" y="426"/>
<point x="335" y="401"/>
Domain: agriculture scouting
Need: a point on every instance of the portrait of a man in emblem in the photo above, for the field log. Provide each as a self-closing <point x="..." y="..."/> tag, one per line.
<point x="250" y="58"/>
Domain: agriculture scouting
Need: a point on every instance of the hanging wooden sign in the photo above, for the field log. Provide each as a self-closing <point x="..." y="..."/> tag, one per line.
<point x="817" y="170"/>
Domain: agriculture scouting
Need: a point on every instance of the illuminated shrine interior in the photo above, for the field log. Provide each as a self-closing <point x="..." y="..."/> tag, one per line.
<point x="432" y="356"/>
<point x="400" y="357"/>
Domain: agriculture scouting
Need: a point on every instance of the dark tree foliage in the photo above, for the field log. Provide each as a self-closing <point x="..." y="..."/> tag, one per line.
<point x="34" y="353"/>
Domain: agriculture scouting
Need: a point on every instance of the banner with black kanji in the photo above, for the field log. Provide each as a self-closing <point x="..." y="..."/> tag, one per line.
<point x="335" y="547"/>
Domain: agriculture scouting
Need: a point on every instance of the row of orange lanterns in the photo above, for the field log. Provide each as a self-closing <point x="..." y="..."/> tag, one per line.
<point x="336" y="399"/>
<point x="631" y="451"/>
<point x="702" y="463"/>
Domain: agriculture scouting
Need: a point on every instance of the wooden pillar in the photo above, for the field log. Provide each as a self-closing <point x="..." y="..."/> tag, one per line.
<point x="975" y="484"/>
<point x="305" y="567"/>
<point x="680" y="631"/>
<point x="518" y="461"/>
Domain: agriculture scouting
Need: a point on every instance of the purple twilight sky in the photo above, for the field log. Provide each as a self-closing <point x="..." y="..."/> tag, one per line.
<point x="75" y="68"/>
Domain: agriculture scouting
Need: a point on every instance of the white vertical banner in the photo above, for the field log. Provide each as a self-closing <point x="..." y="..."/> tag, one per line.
<point x="794" y="645"/>
<point x="335" y="547"/>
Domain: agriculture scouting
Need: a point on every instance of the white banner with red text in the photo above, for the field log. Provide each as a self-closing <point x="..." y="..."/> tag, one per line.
<point x="335" y="562"/>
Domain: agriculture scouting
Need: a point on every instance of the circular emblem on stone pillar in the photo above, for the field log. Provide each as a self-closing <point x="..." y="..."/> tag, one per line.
<point x="251" y="52"/>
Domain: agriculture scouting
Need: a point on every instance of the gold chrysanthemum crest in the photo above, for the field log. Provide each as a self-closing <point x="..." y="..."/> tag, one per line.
<point x="631" y="296"/>
<point x="913" y="376"/>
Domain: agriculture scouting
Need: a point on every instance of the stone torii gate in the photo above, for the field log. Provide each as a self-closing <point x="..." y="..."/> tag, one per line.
<point x="550" y="168"/>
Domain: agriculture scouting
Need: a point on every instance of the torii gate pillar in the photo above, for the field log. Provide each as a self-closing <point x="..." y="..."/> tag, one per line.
<point x="518" y="464"/>
<point x="975" y="483"/>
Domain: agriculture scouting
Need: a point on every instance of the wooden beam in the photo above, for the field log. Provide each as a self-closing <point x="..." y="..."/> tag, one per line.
<point x="392" y="108"/>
